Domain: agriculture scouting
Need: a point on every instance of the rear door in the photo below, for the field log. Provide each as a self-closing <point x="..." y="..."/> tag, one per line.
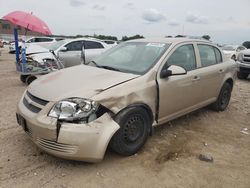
<point x="212" y="71"/>
<point x="180" y="93"/>
<point x="92" y="49"/>
<point x="73" y="55"/>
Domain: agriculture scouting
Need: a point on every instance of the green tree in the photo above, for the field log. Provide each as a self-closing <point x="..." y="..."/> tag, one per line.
<point x="246" y="44"/>
<point x="207" y="37"/>
<point x="125" y="38"/>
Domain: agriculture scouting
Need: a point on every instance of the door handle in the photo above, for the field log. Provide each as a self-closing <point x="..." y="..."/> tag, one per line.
<point x="221" y="70"/>
<point x="196" y="78"/>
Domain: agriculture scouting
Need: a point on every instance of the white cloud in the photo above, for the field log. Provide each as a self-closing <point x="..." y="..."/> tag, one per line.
<point x="153" y="15"/>
<point x="99" y="7"/>
<point x="197" y="19"/>
<point x="129" y="5"/>
<point x="173" y="23"/>
<point x="76" y="3"/>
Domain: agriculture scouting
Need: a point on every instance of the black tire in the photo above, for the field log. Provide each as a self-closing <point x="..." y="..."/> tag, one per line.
<point x="233" y="57"/>
<point x="223" y="99"/>
<point x="242" y="75"/>
<point x="134" y="129"/>
<point x="23" y="78"/>
<point x="30" y="79"/>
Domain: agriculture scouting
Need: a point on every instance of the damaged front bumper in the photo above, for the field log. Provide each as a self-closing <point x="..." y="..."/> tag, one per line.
<point x="85" y="142"/>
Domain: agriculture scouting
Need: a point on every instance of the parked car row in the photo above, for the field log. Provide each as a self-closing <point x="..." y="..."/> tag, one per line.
<point x="118" y="97"/>
<point x="32" y="40"/>
<point x="232" y="51"/>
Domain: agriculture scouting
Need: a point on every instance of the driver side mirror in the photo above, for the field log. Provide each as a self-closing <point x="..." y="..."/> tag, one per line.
<point x="63" y="49"/>
<point x="172" y="70"/>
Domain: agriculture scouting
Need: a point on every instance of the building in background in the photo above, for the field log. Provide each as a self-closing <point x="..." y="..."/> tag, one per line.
<point x="6" y="31"/>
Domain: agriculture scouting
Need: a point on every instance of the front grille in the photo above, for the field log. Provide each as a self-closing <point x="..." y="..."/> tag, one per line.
<point x="246" y="55"/>
<point x="36" y="99"/>
<point x="31" y="107"/>
<point x="56" y="147"/>
<point x="33" y="103"/>
<point x="29" y="131"/>
<point x="246" y="60"/>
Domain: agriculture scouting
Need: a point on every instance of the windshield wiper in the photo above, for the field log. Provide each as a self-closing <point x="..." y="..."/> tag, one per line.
<point x="104" y="66"/>
<point x="109" y="68"/>
<point x="93" y="63"/>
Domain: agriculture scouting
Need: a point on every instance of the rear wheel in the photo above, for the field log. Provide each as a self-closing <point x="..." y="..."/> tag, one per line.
<point x="224" y="97"/>
<point x="242" y="75"/>
<point x="30" y="79"/>
<point x="134" y="130"/>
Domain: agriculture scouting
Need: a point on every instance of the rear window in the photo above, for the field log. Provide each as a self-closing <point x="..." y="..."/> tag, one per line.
<point x="109" y="42"/>
<point x="218" y="55"/>
<point x="74" y="46"/>
<point x="92" y="45"/>
<point x="207" y="55"/>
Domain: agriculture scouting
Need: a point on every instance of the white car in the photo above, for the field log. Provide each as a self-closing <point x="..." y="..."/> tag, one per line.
<point x="111" y="43"/>
<point x="243" y="61"/>
<point x="33" y="40"/>
<point x="232" y="51"/>
<point x="69" y="51"/>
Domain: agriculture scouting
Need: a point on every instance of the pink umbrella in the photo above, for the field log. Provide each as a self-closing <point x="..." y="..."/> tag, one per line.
<point x="29" y="21"/>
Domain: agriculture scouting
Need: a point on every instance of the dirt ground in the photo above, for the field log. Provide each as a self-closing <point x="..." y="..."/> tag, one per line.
<point x="169" y="158"/>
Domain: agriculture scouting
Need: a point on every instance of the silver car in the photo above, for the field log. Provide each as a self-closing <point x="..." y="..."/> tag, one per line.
<point x="69" y="51"/>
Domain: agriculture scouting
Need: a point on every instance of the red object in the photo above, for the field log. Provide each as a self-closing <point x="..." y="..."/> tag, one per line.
<point x="28" y="21"/>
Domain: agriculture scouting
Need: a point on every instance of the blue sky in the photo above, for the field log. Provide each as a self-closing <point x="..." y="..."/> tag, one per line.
<point x="226" y="21"/>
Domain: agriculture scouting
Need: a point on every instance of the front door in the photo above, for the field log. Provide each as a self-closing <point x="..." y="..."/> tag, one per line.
<point x="72" y="56"/>
<point x="180" y="93"/>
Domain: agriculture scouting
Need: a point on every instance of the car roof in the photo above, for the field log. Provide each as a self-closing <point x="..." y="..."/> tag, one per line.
<point x="170" y="40"/>
<point x="83" y="38"/>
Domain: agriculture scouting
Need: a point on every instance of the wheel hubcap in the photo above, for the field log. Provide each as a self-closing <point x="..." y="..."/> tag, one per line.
<point x="133" y="129"/>
<point x="225" y="98"/>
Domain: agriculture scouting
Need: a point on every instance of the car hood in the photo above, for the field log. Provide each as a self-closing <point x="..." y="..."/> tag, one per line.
<point x="228" y="51"/>
<point x="78" y="81"/>
<point x="246" y="52"/>
<point x="34" y="48"/>
<point x="39" y="57"/>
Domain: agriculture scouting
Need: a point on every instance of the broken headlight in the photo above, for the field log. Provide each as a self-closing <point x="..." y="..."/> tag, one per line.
<point x="75" y="110"/>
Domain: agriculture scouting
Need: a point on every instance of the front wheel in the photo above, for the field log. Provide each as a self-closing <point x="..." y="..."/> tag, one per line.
<point x="23" y="78"/>
<point x="242" y="75"/>
<point x="134" y="130"/>
<point x="224" y="97"/>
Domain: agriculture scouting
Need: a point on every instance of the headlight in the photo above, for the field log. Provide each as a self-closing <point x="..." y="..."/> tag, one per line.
<point x="75" y="109"/>
<point x="240" y="57"/>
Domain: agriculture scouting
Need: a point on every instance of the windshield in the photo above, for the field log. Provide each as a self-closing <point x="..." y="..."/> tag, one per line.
<point x="229" y="48"/>
<point x="55" y="45"/>
<point x="132" y="57"/>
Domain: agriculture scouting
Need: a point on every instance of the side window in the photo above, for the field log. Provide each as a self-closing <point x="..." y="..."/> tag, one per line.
<point x="47" y="40"/>
<point x="74" y="46"/>
<point x="37" y="40"/>
<point x="92" y="45"/>
<point x="43" y="40"/>
<point x="183" y="56"/>
<point x="218" y="55"/>
<point x="241" y="48"/>
<point x="207" y="55"/>
<point x="31" y="40"/>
